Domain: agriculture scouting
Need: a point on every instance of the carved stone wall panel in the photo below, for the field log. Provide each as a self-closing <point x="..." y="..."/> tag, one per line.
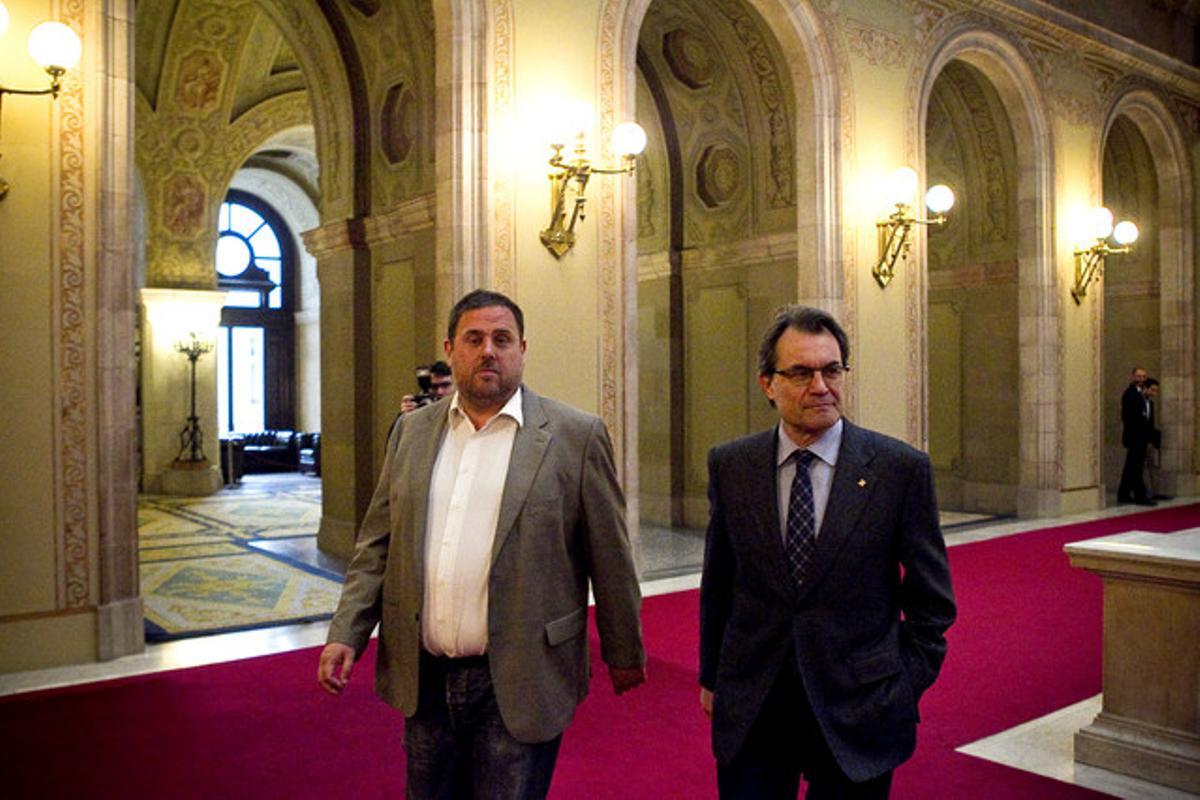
<point x="395" y="49"/>
<point x="727" y="87"/>
<point x="400" y="123"/>
<point x="500" y="177"/>
<point x="877" y="47"/>
<point x="75" y="330"/>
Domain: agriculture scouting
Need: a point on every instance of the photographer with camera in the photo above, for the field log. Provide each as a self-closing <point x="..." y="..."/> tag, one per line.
<point x="434" y="382"/>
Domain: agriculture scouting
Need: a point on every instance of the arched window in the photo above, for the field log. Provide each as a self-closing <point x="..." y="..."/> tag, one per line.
<point x="255" y="264"/>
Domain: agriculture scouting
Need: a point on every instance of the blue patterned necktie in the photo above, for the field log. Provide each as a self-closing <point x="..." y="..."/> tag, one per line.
<point x="800" y="542"/>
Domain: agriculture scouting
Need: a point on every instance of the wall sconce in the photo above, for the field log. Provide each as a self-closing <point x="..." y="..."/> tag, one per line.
<point x="1089" y="260"/>
<point x="894" y="231"/>
<point x="628" y="140"/>
<point x="56" y="48"/>
<point x="191" y="439"/>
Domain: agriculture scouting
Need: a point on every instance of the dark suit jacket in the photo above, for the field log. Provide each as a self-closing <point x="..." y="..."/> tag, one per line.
<point x="866" y="635"/>
<point x="561" y="523"/>
<point x="1135" y="426"/>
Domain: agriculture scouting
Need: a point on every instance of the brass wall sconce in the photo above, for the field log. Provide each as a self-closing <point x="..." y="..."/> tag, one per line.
<point x="1089" y="259"/>
<point x="628" y="140"/>
<point x="56" y="48"/>
<point x="895" y="230"/>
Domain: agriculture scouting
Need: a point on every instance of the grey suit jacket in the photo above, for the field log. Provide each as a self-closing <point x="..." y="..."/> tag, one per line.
<point x="866" y="629"/>
<point x="561" y="523"/>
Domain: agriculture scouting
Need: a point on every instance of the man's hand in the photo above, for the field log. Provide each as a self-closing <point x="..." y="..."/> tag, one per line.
<point x="333" y="668"/>
<point x="626" y="678"/>
<point x="408" y="403"/>
<point x="706" y="700"/>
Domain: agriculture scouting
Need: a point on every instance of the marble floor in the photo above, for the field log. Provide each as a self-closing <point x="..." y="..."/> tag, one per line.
<point x="671" y="563"/>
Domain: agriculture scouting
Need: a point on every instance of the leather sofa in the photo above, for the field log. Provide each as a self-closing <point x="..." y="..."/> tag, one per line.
<point x="270" y="451"/>
<point x="310" y="453"/>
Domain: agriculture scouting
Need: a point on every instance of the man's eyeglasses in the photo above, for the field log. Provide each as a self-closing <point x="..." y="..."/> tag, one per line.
<point x="802" y="376"/>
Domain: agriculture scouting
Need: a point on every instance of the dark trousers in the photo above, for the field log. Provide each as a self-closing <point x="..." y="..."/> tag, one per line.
<point x="1132" y="487"/>
<point x="785" y="742"/>
<point x="457" y="746"/>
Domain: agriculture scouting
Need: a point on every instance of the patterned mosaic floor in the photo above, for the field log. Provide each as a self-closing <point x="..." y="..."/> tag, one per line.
<point x="207" y="564"/>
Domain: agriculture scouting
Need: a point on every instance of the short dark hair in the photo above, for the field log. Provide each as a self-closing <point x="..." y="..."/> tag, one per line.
<point x="1146" y="384"/>
<point x="484" y="298"/>
<point x="805" y="319"/>
<point x="440" y="368"/>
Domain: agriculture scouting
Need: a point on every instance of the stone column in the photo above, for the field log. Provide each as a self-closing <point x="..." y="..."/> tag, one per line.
<point x="347" y="428"/>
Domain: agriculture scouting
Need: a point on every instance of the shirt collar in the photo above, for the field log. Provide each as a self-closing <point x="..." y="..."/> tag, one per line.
<point x="512" y="409"/>
<point x="826" y="445"/>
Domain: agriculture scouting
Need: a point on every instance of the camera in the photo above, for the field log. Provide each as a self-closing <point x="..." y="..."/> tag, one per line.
<point x="425" y="384"/>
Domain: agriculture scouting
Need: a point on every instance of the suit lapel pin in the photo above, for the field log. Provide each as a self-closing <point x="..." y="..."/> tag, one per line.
<point x="862" y="482"/>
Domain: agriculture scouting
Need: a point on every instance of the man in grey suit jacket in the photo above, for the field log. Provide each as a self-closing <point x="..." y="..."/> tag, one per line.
<point x="815" y="651"/>
<point x="494" y="510"/>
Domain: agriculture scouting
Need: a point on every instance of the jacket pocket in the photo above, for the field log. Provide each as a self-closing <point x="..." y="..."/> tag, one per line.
<point x="876" y="665"/>
<point x="568" y="627"/>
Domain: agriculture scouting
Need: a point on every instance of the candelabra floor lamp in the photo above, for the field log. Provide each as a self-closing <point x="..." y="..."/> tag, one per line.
<point x="191" y="438"/>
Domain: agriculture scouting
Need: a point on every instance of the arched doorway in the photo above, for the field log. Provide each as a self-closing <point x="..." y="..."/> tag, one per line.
<point x="1148" y="310"/>
<point x="1011" y="195"/>
<point x="717" y="240"/>
<point x="973" y="320"/>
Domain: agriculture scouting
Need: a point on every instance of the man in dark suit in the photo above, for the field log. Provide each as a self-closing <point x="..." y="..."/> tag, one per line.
<point x="494" y="509"/>
<point x="1135" y="416"/>
<point x="826" y="589"/>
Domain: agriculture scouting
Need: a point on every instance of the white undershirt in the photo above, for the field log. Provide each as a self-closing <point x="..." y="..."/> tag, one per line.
<point x="464" y="505"/>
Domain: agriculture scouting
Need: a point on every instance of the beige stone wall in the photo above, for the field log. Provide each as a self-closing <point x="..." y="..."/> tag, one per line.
<point x="69" y="582"/>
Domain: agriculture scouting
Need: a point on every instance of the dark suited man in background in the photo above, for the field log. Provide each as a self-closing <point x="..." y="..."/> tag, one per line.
<point x="1153" y="462"/>
<point x="826" y="589"/>
<point x="493" y="510"/>
<point x="1135" y="413"/>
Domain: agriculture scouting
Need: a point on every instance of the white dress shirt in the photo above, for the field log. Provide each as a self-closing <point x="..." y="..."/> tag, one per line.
<point x="464" y="505"/>
<point x="826" y="448"/>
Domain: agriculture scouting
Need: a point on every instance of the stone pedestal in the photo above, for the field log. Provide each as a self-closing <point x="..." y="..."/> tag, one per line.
<point x="1149" y="724"/>
<point x="192" y="479"/>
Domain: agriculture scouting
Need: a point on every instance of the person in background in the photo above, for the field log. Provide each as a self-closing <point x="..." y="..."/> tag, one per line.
<point x="1134" y="413"/>
<point x="441" y="384"/>
<point x="1153" y="467"/>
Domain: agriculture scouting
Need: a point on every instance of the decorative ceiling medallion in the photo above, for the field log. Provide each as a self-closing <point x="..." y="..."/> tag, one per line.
<point x="399" y="123"/>
<point x="718" y="175"/>
<point x="690" y="58"/>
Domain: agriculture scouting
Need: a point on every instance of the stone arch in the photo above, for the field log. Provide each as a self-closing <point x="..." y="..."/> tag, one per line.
<point x="1005" y="63"/>
<point x="339" y="115"/>
<point x="820" y="273"/>
<point x="1158" y="126"/>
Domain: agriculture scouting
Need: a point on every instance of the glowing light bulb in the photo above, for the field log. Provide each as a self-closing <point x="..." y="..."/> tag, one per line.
<point x="939" y="199"/>
<point x="628" y="139"/>
<point x="1100" y="222"/>
<point x="1125" y="232"/>
<point x="54" y="45"/>
<point x="902" y="186"/>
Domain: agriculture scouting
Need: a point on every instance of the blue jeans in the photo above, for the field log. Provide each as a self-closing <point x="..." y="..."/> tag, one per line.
<point x="457" y="745"/>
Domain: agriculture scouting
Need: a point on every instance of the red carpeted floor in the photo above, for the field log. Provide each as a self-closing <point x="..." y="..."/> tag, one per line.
<point x="1027" y="643"/>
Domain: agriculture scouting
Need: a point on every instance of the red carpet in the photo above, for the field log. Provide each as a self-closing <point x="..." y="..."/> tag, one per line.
<point x="1027" y="643"/>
